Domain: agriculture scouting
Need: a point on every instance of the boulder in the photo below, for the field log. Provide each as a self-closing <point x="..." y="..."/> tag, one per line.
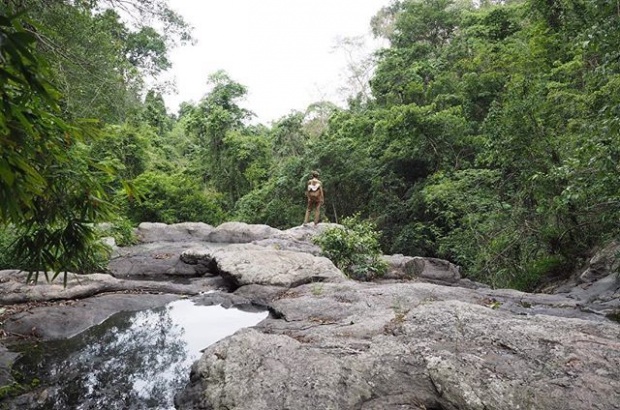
<point x="251" y="264"/>
<point x="410" y="346"/>
<point x="155" y="259"/>
<point x="15" y="289"/>
<point x="65" y="320"/>
<point x="603" y="263"/>
<point x="240" y="232"/>
<point x="597" y="287"/>
<point x="289" y="245"/>
<point x="601" y="296"/>
<point x="297" y="239"/>
<point x="148" y="232"/>
<point x="416" y="267"/>
<point x="200" y="258"/>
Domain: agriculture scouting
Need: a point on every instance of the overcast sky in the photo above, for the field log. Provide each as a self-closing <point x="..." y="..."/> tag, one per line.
<point x="283" y="51"/>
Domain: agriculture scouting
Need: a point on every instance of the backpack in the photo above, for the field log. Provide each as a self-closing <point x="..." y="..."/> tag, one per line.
<point x="314" y="190"/>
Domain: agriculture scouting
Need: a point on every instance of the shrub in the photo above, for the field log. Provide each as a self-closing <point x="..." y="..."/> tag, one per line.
<point x="354" y="248"/>
<point x="58" y="249"/>
<point x="68" y="248"/>
<point x="122" y="230"/>
<point x="172" y="199"/>
<point x="8" y="235"/>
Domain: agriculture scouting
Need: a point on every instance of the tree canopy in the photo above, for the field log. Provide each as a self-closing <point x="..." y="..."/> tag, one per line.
<point x="487" y="135"/>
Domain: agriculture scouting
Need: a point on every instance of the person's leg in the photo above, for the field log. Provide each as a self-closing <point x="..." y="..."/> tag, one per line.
<point x="317" y="213"/>
<point x="308" y="209"/>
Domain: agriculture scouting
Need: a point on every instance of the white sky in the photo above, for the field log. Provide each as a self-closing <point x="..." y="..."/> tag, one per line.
<point x="283" y="51"/>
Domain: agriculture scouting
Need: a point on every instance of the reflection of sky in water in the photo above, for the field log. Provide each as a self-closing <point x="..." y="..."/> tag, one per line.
<point x="202" y="326"/>
<point x="135" y="360"/>
<point x="202" y="331"/>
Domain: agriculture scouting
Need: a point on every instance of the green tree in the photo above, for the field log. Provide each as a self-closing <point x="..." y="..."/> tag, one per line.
<point x="51" y="189"/>
<point x="126" y="146"/>
<point x="174" y="198"/>
<point x="155" y="114"/>
<point x="288" y="136"/>
<point x="97" y="61"/>
<point x="217" y="114"/>
<point x="279" y="200"/>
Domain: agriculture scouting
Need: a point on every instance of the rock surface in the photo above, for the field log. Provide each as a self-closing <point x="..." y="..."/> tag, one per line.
<point x="422" y="338"/>
<point x="597" y="287"/>
<point x="252" y="264"/>
<point x="603" y="263"/>
<point x="239" y="232"/>
<point x="14" y="288"/>
<point x="148" y="232"/>
<point x="411" y="346"/>
<point x="62" y="321"/>
<point x="154" y="260"/>
<point x="416" y="267"/>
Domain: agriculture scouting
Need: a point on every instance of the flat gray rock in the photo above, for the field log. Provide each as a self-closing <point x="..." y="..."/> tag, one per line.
<point x="15" y="290"/>
<point x="68" y="319"/>
<point x="298" y="239"/>
<point x="252" y="264"/>
<point x="182" y="232"/>
<point x="416" y="267"/>
<point x="155" y="259"/>
<point x="410" y="346"/>
<point x="240" y="232"/>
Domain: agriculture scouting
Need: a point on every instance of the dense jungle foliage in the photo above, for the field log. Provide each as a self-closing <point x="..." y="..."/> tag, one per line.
<point x="489" y="136"/>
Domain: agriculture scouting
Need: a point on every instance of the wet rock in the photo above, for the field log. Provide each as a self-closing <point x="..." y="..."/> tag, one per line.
<point x="227" y="301"/>
<point x="7" y="358"/>
<point x="65" y="320"/>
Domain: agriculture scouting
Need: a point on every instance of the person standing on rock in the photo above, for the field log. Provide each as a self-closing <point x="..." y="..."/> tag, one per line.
<point x="314" y="193"/>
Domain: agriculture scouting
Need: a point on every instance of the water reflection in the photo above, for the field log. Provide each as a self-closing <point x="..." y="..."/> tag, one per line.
<point x="134" y="360"/>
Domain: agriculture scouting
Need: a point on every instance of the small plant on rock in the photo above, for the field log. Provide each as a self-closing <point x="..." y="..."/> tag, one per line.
<point x="123" y="232"/>
<point x="354" y="248"/>
<point x="317" y="289"/>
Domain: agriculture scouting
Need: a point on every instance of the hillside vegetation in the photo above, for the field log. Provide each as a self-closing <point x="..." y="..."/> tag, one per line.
<point x="489" y="135"/>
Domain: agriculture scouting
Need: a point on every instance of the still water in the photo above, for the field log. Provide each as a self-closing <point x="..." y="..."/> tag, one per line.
<point x="134" y="360"/>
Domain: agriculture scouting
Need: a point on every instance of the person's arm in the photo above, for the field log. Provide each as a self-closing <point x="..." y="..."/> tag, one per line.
<point x="322" y="195"/>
